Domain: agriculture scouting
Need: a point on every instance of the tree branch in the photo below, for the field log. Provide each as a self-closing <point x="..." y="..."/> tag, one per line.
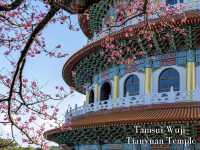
<point x="3" y="100"/>
<point x="4" y="18"/>
<point x="11" y="6"/>
<point x="21" y="62"/>
<point x="143" y="12"/>
<point x="20" y="81"/>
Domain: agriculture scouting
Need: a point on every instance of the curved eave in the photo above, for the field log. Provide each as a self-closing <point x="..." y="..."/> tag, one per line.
<point x="84" y="24"/>
<point x="158" y="113"/>
<point x="192" y="18"/>
<point x="76" y="6"/>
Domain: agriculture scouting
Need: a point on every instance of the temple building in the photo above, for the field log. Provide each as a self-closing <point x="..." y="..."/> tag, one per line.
<point x="149" y="103"/>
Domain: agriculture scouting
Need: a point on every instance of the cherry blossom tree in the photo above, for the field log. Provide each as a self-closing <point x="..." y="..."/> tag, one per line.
<point x="21" y="26"/>
<point x="24" y="102"/>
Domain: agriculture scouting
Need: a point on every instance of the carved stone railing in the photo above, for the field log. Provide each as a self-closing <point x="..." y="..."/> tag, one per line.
<point x="123" y="102"/>
<point x="193" y="5"/>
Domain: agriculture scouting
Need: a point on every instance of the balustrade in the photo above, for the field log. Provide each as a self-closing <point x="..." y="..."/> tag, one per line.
<point x="124" y="102"/>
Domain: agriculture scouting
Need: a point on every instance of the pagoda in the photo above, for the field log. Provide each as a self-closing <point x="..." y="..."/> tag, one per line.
<point x="151" y="102"/>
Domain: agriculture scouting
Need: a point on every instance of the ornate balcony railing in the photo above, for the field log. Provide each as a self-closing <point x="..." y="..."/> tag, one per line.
<point x="123" y="102"/>
<point x="194" y="5"/>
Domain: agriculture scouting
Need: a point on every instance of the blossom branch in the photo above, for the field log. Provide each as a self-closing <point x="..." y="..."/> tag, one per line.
<point x="12" y="6"/>
<point x="21" y="64"/>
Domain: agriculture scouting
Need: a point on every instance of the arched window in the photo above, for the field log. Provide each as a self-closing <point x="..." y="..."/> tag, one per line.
<point x="167" y="79"/>
<point x="173" y="2"/>
<point x="91" y="97"/>
<point x="105" y="91"/>
<point x="131" y="86"/>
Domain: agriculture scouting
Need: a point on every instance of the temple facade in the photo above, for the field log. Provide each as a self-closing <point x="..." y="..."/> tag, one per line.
<point x="148" y="98"/>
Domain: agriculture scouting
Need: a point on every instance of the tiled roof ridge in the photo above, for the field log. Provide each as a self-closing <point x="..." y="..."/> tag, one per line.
<point x="170" y="113"/>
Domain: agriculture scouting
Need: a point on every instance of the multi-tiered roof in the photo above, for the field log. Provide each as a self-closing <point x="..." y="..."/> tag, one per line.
<point x="80" y="69"/>
<point x="92" y="63"/>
